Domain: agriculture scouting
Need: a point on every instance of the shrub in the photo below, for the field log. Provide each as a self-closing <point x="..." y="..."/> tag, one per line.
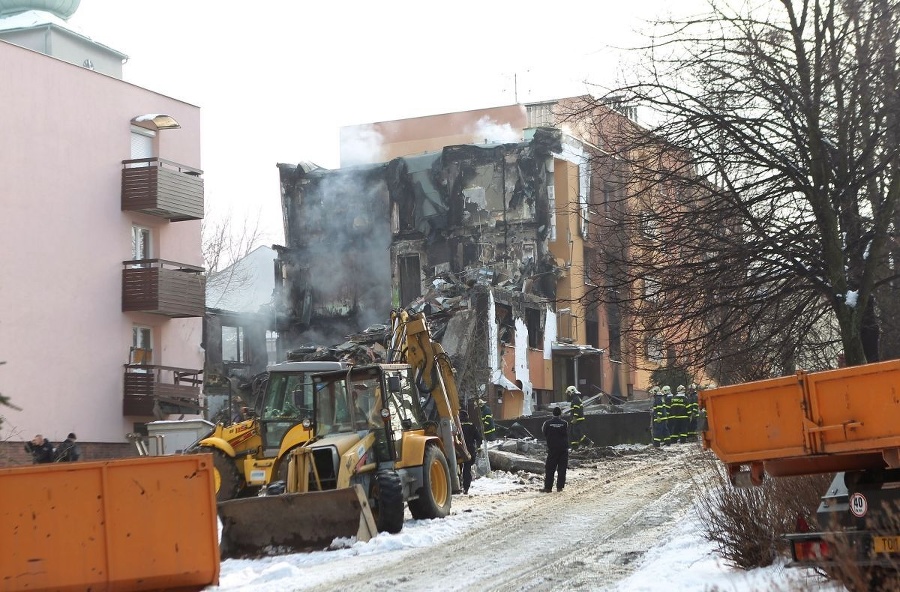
<point x="747" y="525"/>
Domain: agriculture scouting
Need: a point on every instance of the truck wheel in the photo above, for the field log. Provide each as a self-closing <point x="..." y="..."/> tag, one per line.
<point x="226" y="476"/>
<point x="434" y="495"/>
<point x="388" y="508"/>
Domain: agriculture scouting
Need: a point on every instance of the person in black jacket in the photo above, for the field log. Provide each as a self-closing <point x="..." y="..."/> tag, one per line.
<point x="473" y="441"/>
<point x="41" y="450"/>
<point x="68" y="450"/>
<point x="556" y="433"/>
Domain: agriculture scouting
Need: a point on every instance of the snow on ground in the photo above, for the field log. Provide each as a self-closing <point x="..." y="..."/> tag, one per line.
<point x="683" y="561"/>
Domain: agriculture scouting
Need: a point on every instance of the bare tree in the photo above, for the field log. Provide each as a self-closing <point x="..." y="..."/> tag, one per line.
<point x="753" y="217"/>
<point x="225" y="243"/>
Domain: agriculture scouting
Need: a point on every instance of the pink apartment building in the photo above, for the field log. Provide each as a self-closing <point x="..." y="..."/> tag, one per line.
<point x="101" y="285"/>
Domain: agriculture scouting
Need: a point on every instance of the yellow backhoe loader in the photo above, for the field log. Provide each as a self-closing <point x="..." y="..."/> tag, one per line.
<point x="252" y="453"/>
<point x="385" y="437"/>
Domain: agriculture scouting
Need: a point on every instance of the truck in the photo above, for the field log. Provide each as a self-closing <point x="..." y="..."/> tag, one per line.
<point x="844" y="421"/>
<point x="251" y="454"/>
<point x="131" y="524"/>
<point x="383" y="437"/>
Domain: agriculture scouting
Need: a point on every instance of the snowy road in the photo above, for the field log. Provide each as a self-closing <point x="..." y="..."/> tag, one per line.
<point x="587" y="537"/>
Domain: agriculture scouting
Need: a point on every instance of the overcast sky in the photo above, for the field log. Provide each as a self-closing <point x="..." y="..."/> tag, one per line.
<point x="276" y="79"/>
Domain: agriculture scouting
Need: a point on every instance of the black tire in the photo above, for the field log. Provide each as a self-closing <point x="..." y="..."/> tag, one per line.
<point x="227" y="478"/>
<point x="387" y="493"/>
<point x="434" y="495"/>
<point x="280" y="473"/>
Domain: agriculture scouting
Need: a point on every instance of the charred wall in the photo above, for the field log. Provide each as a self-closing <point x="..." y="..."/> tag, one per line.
<point x="362" y="239"/>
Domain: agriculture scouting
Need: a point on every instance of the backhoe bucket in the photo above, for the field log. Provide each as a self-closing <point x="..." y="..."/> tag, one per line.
<point x="294" y="522"/>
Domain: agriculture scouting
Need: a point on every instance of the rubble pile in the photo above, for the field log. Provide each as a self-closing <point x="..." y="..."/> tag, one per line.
<point x="446" y="296"/>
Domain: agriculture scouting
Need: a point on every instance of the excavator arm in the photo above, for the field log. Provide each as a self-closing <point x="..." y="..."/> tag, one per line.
<point x="411" y="343"/>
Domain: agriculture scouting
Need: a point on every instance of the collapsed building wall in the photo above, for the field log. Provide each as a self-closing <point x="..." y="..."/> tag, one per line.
<point x="335" y="269"/>
<point x="479" y="212"/>
<point x="364" y="239"/>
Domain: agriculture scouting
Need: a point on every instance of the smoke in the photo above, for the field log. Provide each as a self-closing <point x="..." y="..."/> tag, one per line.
<point x="491" y="132"/>
<point x="342" y="248"/>
<point x="360" y="144"/>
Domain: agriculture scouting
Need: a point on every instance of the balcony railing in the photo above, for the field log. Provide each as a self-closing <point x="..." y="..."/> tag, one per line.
<point x="162" y="188"/>
<point x="159" y="390"/>
<point x="163" y="287"/>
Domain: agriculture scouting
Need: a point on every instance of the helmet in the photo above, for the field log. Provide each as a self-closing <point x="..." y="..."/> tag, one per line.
<point x="666" y="390"/>
<point x="572" y="391"/>
<point x="653" y="390"/>
<point x="680" y="388"/>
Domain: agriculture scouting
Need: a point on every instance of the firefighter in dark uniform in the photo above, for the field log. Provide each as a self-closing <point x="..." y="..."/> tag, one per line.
<point x="670" y="421"/>
<point x="659" y="427"/>
<point x="556" y="433"/>
<point x="678" y="415"/>
<point x="577" y="429"/>
<point x="473" y="441"/>
<point x="693" y="411"/>
<point x="487" y="422"/>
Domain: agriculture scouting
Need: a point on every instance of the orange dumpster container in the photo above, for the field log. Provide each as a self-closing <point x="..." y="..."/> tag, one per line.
<point x="133" y="524"/>
<point x="818" y="422"/>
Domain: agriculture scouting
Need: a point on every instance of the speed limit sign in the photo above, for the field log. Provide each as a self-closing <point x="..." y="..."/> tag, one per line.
<point x="858" y="505"/>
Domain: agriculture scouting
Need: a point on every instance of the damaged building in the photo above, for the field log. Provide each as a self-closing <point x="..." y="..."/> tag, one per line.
<point x="488" y="237"/>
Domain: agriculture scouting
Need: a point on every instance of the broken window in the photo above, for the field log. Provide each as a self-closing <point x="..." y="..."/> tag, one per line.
<point x="615" y="343"/>
<point x="654" y="349"/>
<point x="272" y="346"/>
<point x="410" y="279"/>
<point x="233" y="344"/>
<point x="535" y="328"/>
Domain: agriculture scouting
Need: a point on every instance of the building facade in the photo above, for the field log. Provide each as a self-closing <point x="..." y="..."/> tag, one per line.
<point x="505" y="211"/>
<point x="102" y="291"/>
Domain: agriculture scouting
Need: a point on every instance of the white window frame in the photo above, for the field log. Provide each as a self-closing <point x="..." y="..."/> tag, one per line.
<point x="584" y="189"/>
<point x="141" y="236"/>
<point x="551" y="199"/>
<point x="140" y="148"/>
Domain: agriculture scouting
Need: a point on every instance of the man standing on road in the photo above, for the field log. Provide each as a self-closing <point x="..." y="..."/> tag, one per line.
<point x="556" y="433"/>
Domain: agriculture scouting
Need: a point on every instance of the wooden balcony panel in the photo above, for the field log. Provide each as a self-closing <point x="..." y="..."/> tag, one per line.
<point x="174" y="390"/>
<point x="162" y="188"/>
<point x="164" y="288"/>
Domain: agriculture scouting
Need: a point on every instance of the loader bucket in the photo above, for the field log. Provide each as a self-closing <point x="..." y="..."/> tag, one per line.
<point x="294" y="522"/>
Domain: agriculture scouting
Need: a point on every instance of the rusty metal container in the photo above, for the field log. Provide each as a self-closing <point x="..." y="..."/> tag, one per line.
<point x="818" y="422"/>
<point x="120" y="525"/>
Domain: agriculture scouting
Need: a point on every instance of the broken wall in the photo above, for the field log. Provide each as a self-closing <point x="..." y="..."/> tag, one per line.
<point x="362" y="239"/>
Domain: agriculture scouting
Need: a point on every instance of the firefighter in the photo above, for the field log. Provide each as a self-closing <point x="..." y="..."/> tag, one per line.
<point x="473" y="442"/>
<point x="678" y="415"/>
<point x="659" y="427"/>
<point x="577" y="428"/>
<point x="667" y="398"/>
<point x="487" y="421"/>
<point x="693" y="411"/>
